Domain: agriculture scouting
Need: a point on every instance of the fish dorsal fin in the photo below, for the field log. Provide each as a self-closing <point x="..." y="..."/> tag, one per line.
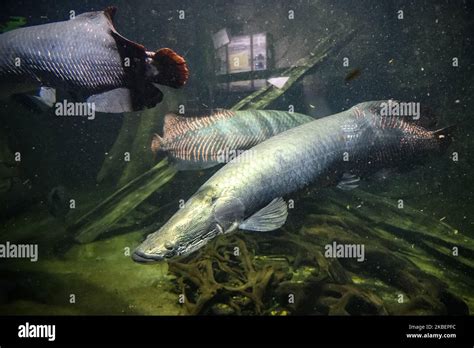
<point x="269" y="218"/>
<point x="110" y="12"/>
<point x="126" y="43"/>
<point x="104" y="20"/>
<point x="373" y="106"/>
<point x="175" y="125"/>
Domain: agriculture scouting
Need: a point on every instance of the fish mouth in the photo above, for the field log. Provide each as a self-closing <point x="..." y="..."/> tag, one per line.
<point x="141" y="257"/>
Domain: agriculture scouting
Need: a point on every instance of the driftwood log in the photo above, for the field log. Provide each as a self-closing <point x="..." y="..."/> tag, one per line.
<point x="136" y="134"/>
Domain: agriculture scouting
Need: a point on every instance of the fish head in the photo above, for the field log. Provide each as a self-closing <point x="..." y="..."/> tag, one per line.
<point x="398" y="132"/>
<point x="203" y="217"/>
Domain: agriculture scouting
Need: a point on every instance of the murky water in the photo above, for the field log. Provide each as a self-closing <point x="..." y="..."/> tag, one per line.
<point x="79" y="193"/>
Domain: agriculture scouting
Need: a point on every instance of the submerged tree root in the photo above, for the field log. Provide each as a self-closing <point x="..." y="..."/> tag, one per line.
<point x="287" y="272"/>
<point x="224" y="279"/>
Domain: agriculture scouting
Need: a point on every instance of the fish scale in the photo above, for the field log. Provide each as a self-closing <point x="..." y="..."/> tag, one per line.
<point x="296" y="161"/>
<point x="98" y="68"/>
<point x="247" y="192"/>
<point x="201" y="142"/>
<point x="291" y="160"/>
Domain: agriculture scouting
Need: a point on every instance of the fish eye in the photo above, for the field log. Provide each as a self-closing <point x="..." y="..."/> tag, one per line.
<point x="169" y="246"/>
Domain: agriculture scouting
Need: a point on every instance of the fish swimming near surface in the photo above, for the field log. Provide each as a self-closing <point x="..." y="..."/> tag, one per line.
<point x="203" y="142"/>
<point x="86" y="59"/>
<point x="247" y="194"/>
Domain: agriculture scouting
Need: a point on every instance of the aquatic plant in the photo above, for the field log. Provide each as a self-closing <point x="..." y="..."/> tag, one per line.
<point x="289" y="273"/>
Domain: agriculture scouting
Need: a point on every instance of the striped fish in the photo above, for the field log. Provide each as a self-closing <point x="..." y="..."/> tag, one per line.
<point x="86" y="59"/>
<point x="248" y="195"/>
<point x="203" y="142"/>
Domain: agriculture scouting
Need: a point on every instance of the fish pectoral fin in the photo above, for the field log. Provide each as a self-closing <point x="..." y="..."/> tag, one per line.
<point x="348" y="182"/>
<point x="114" y="101"/>
<point x="269" y="218"/>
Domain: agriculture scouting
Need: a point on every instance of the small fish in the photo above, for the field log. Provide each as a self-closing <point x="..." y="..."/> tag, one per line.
<point x="248" y="195"/>
<point x="86" y="59"/>
<point x="352" y="75"/>
<point x="57" y="203"/>
<point x="203" y="142"/>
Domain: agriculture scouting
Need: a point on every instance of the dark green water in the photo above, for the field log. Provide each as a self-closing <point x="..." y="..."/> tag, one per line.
<point x="416" y="225"/>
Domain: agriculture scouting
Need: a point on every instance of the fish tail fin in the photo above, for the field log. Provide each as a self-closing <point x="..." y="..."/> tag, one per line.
<point x="444" y="136"/>
<point x="172" y="68"/>
<point x="156" y="143"/>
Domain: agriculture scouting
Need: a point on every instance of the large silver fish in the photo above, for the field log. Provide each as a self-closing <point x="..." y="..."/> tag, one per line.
<point x="248" y="194"/>
<point x="203" y="142"/>
<point x="86" y="59"/>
